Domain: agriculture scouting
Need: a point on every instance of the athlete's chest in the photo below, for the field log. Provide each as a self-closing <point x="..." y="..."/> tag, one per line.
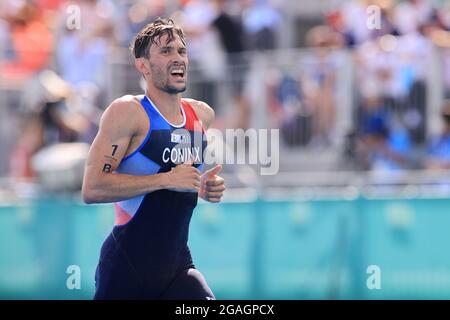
<point x="170" y="147"/>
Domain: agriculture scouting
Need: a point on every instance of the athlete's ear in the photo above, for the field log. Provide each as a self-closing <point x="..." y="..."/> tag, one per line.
<point x="142" y="66"/>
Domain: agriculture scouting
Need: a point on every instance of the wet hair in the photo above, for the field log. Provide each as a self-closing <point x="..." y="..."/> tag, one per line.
<point x="152" y="33"/>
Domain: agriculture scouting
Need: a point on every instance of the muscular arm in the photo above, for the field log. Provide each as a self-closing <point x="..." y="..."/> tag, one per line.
<point x="101" y="183"/>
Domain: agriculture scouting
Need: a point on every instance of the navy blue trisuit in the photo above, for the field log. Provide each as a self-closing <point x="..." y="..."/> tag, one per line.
<point x="146" y="255"/>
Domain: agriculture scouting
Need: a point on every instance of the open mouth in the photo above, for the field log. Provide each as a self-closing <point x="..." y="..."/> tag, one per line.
<point x="177" y="73"/>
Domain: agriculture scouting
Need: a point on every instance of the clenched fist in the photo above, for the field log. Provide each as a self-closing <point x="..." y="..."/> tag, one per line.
<point x="184" y="177"/>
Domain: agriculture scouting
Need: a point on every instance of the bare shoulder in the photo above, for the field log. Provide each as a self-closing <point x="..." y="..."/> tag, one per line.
<point x="124" y="113"/>
<point x="204" y="112"/>
<point x="124" y="106"/>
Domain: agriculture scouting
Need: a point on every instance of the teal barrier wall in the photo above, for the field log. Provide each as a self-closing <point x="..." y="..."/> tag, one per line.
<point x="258" y="250"/>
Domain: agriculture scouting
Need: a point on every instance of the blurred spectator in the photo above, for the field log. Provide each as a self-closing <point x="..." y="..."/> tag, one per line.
<point x="28" y="143"/>
<point x="377" y="62"/>
<point x="411" y="14"/>
<point x="438" y="31"/>
<point x="354" y="21"/>
<point x="131" y="16"/>
<point x="439" y="146"/>
<point x="319" y="80"/>
<point x="30" y="40"/>
<point x="335" y="20"/>
<point x="229" y="27"/>
<point x="296" y="125"/>
<point x="206" y="56"/>
<point x="261" y="23"/>
<point x="370" y="107"/>
<point x="391" y="67"/>
<point x="381" y="149"/>
<point x="287" y="107"/>
<point x="231" y="35"/>
<point x="387" y="22"/>
<point x="82" y="52"/>
<point x="397" y="67"/>
<point x="446" y="62"/>
<point x="52" y="119"/>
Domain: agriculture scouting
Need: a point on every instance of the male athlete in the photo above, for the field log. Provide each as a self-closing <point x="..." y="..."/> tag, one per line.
<point x="146" y="160"/>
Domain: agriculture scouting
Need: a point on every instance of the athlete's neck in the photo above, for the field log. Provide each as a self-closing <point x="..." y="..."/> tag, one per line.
<point x="167" y="104"/>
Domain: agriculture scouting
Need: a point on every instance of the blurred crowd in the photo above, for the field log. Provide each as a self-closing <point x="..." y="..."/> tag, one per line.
<point x="393" y="63"/>
<point x="54" y="58"/>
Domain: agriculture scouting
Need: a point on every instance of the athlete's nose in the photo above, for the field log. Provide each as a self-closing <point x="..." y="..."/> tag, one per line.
<point x="180" y="56"/>
<point x="178" y="60"/>
<point x="177" y="63"/>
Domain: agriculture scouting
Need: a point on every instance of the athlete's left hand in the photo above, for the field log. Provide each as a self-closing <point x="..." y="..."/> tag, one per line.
<point x="211" y="185"/>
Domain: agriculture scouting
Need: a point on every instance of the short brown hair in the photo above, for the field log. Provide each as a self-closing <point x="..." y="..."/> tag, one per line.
<point x="152" y="33"/>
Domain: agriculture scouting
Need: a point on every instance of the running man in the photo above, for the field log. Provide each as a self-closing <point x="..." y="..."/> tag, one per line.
<point x="146" y="160"/>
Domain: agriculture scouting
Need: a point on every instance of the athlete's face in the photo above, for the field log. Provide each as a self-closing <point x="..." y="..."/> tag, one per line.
<point x="168" y="65"/>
